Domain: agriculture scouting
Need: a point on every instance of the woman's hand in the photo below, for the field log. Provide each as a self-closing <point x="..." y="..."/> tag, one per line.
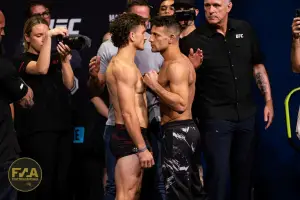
<point x="64" y="52"/>
<point x="58" y="31"/>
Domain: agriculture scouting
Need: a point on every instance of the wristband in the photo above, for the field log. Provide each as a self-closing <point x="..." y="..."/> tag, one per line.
<point x="142" y="150"/>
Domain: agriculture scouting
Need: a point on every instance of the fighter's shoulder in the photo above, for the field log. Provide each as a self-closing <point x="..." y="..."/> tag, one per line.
<point x="118" y="64"/>
<point x="177" y="67"/>
<point x="121" y="69"/>
<point x="180" y="63"/>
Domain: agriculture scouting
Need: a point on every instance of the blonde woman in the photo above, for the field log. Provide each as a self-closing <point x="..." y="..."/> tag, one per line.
<point x="45" y="130"/>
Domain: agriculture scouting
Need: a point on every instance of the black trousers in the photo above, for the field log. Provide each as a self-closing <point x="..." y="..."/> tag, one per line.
<point x="53" y="151"/>
<point x="229" y="152"/>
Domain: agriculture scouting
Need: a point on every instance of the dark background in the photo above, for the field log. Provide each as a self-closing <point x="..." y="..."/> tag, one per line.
<point x="277" y="174"/>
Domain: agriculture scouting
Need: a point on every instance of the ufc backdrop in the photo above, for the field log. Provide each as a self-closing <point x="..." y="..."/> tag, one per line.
<point x="81" y="17"/>
<point x="277" y="170"/>
<point x="86" y="17"/>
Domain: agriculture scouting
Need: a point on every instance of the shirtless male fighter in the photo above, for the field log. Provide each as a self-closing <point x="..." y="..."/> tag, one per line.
<point x="175" y="86"/>
<point x="129" y="142"/>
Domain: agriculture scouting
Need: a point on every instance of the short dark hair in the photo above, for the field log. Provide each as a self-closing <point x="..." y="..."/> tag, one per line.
<point x="122" y="26"/>
<point x="33" y="3"/>
<point x="137" y="3"/>
<point x="169" y="22"/>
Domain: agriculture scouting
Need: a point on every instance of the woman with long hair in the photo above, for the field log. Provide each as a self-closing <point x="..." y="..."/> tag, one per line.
<point x="45" y="131"/>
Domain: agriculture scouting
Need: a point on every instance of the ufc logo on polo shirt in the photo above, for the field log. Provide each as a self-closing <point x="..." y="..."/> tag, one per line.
<point x="239" y="36"/>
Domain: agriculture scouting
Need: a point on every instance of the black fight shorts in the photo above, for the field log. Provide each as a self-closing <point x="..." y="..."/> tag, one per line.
<point x="180" y="152"/>
<point x="121" y="144"/>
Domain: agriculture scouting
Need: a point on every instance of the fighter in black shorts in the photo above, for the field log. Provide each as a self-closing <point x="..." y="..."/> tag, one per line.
<point x="121" y="143"/>
<point x="128" y="97"/>
<point x="175" y="86"/>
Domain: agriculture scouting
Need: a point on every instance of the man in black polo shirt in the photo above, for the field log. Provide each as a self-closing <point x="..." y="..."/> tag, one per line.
<point x="224" y="103"/>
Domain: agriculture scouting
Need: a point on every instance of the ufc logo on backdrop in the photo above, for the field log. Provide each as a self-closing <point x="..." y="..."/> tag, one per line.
<point x="68" y="23"/>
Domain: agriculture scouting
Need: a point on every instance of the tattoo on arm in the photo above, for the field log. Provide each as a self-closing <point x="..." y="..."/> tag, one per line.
<point x="260" y="82"/>
<point x="26" y="102"/>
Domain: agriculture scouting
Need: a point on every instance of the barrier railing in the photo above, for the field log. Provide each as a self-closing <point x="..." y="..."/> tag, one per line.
<point x="288" y="118"/>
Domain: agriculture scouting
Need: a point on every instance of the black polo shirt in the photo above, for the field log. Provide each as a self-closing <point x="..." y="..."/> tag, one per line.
<point x="52" y="106"/>
<point x="225" y="79"/>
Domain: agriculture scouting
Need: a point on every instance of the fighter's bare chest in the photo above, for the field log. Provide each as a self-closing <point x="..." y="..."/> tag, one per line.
<point x="162" y="78"/>
<point x="139" y="86"/>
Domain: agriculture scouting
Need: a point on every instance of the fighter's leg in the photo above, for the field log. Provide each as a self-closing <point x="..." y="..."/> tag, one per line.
<point x="128" y="174"/>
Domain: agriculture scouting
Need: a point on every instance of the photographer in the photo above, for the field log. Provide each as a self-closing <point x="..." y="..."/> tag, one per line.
<point x="44" y="10"/>
<point x="45" y="130"/>
<point x="295" y="54"/>
<point x="186" y="14"/>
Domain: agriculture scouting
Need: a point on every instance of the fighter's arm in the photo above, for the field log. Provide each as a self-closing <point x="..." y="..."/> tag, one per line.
<point x="177" y="97"/>
<point x="126" y="80"/>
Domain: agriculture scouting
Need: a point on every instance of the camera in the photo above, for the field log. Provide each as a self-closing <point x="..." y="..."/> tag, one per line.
<point x="75" y="42"/>
<point x="185" y="15"/>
